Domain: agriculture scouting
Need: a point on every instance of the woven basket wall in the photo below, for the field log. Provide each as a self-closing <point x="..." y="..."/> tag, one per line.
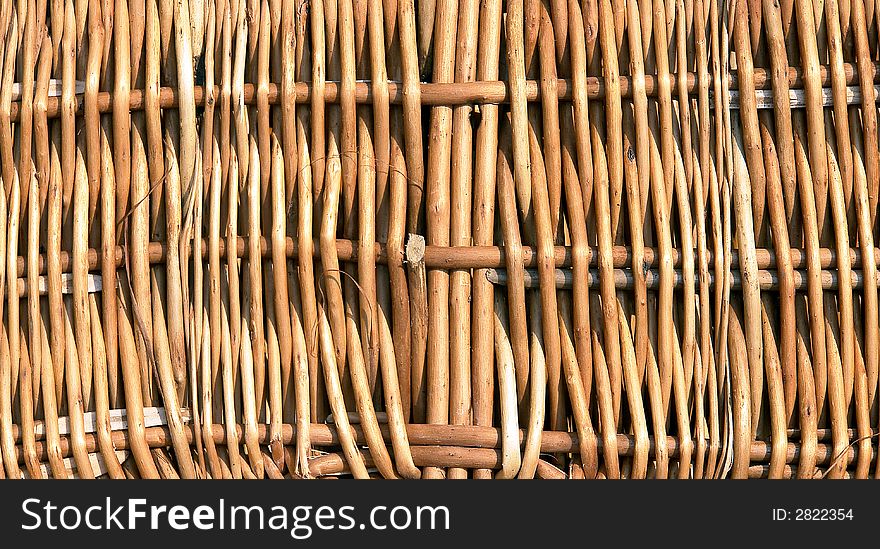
<point x="444" y="238"/>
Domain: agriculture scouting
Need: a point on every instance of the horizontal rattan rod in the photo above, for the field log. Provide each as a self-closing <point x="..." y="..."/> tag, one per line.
<point x="492" y="257"/>
<point x="423" y="456"/>
<point x="465" y="257"/>
<point x="459" y="93"/>
<point x="825" y="434"/>
<point x="332" y="464"/>
<point x="322" y="435"/>
<point x="355" y="419"/>
<point x="623" y="279"/>
<point x="761" y="450"/>
<point x="484" y="458"/>
<point x="382" y="418"/>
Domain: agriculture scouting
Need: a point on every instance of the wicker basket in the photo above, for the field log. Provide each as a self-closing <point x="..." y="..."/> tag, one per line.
<point x="452" y="238"/>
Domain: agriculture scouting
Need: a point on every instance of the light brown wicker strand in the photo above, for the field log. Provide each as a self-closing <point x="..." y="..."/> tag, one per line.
<point x="437" y="208"/>
<point x="482" y="292"/>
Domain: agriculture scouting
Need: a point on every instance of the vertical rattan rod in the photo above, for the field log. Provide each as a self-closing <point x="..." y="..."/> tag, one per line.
<point x="41" y="160"/>
<point x="460" y="224"/>
<point x="866" y="191"/>
<point x="547" y="205"/>
<point x="73" y="369"/>
<point x="485" y="162"/>
<point x="438" y="223"/>
<point x="511" y="458"/>
<point x="30" y="365"/>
